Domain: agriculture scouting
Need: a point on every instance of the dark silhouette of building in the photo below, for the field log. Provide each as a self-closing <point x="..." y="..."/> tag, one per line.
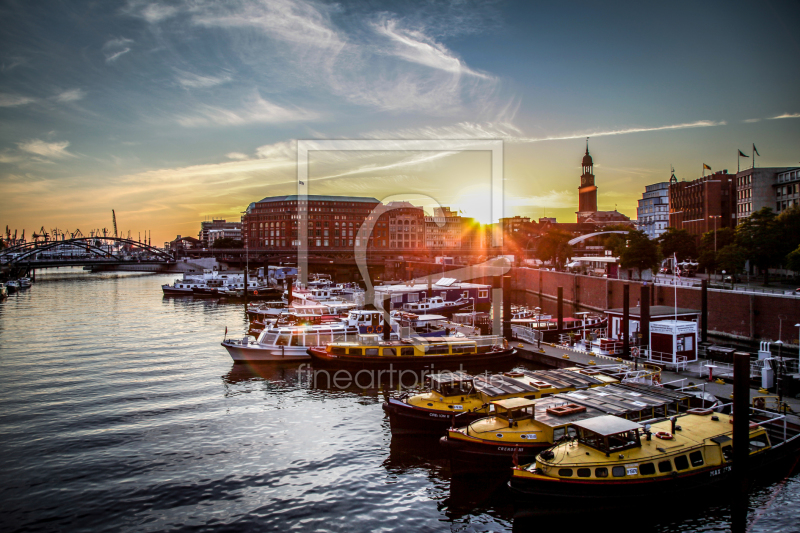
<point x="587" y="192"/>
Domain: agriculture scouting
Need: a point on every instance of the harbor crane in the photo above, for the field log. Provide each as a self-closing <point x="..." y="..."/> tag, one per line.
<point x="114" y="218"/>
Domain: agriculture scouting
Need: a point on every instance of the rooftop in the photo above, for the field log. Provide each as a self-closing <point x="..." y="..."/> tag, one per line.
<point x="607" y="425"/>
<point x="319" y="198"/>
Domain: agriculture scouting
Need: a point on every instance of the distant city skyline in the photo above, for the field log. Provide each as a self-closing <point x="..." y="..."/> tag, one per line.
<point x="176" y="112"/>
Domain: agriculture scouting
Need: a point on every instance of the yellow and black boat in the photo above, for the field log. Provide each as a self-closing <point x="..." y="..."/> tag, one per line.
<point x="615" y="458"/>
<point x="519" y="429"/>
<point x="370" y="352"/>
<point x="456" y="398"/>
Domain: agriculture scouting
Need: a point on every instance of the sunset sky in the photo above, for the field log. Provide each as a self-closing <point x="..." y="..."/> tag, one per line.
<point x="175" y="112"/>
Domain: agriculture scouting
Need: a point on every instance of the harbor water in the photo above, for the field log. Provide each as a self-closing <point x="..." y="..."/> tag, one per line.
<point x="120" y="411"/>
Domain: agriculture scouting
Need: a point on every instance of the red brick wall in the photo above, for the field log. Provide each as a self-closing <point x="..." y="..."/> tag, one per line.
<point x="742" y="314"/>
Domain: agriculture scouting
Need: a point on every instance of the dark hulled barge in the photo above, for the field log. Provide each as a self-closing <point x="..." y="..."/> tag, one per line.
<point x="457" y="399"/>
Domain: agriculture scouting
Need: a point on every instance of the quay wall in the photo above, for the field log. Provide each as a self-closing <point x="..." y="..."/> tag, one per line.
<point x="737" y="314"/>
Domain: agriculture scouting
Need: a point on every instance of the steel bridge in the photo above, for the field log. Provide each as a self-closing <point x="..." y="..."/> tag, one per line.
<point x="81" y="251"/>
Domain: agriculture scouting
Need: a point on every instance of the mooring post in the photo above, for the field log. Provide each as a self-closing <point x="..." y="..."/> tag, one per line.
<point x="644" y="320"/>
<point x="497" y="294"/>
<point x="560" y="308"/>
<point x="507" y="307"/>
<point x="704" y="304"/>
<point x="741" y="437"/>
<point x="626" y="319"/>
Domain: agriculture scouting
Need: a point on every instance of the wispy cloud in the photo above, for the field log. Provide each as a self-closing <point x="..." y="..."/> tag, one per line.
<point x="624" y="131"/>
<point x="237" y="156"/>
<point x="115" y="48"/>
<point x="72" y="95"/>
<point x="416" y="47"/>
<point x="54" y="150"/>
<point x="189" y="80"/>
<point x="751" y="120"/>
<point x="254" y="109"/>
<point x="786" y="115"/>
<point x="14" y="100"/>
<point x="288" y="20"/>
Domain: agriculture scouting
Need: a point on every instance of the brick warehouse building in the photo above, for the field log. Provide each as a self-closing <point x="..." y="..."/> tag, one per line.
<point x="334" y="222"/>
<point x="698" y="205"/>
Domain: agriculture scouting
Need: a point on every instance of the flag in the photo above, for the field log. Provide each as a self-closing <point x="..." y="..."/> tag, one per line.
<point x="677" y="268"/>
<point x="742" y="155"/>
<point x="706" y="167"/>
<point x="756" y="150"/>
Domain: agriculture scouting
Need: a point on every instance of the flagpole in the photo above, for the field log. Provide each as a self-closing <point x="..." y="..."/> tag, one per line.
<point x="675" y="257"/>
<point x="738" y="160"/>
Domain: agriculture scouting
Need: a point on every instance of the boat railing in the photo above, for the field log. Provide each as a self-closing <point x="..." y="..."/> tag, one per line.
<point x="526" y="334"/>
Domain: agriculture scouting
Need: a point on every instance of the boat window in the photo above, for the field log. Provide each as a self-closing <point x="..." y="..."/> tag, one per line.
<point x="283" y="339"/>
<point x="647" y="469"/>
<point x="390" y="351"/>
<point x="406" y="350"/>
<point x="681" y="462"/>
<point x="435" y="349"/>
<point x="371" y="351"/>
<point x="600" y="472"/>
<point x="618" y="471"/>
<point x="696" y="458"/>
<point x="727" y="452"/>
<point x="558" y="433"/>
<point x="325" y="338"/>
<point x="338" y="350"/>
<point x="758" y="443"/>
<point x="584" y="472"/>
<point x="565" y="472"/>
<point x="269" y="338"/>
<point x="665" y="466"/>
<point x="297" y="339"/>
<point x="355" y="351"/>
<point x="311" y="340"/>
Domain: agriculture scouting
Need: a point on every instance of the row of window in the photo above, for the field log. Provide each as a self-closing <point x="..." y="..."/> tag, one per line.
<point x="681" y="462"/>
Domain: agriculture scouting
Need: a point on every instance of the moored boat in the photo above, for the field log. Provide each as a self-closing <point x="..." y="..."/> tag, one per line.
<point x="621" y="460"/>
<point x="414" y="353"/>
<point x="457" y="398"/>
<point x="12" y="286"/>
<point x="3" y="290"/>
<point x="437" y="305"/>
<point x="518" y="429"/>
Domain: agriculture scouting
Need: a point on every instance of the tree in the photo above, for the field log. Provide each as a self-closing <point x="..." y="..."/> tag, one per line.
<point x="793" y="260"/>
<point x="553" y="246"/>
<point x="640" y="252"/>
<point x="707" y="260"/>
<point x="707" y="251"/>
<point x="731" y="259"/>
<point x="678" y="242"/>
<point x="759" y="237"/>
<point x="789" y="226"/>
<point x="227" y="242"/>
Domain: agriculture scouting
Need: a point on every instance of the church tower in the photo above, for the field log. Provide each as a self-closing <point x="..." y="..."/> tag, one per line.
<point x="587" y="192"/>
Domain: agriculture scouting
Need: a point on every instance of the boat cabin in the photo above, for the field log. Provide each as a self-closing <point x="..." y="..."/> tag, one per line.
<point x="371" y="346"/>
<point x="449" y="384"/>
<point x="608" y="434"/>
<point x="515" y="409"/>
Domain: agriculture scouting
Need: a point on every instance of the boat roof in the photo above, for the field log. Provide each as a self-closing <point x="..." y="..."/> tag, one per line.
<point x="619" y="399"/>
<point x="514" y="403"/>
<point x="450" y="377"/>
<point x="429" y="318"/>
<point x="607" y="425"/>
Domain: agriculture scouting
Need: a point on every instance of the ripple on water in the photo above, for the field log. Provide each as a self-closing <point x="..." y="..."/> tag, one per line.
<point x="119" y="411"/>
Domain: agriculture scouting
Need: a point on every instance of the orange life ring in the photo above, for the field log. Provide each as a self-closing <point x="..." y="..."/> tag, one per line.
<point x="379" y="329"/>
<point x="664" y="435"/>
<point x="255" y="293"/>
<point x="369" y="329"/>
<point x="657" y="379"/>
